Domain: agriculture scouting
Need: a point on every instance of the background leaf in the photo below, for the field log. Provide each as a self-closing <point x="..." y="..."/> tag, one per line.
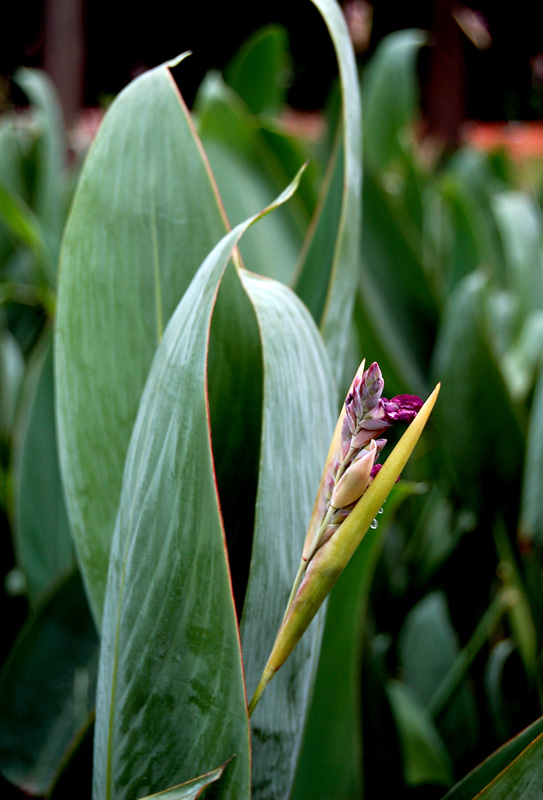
<point x="49" y="684"/>
<point x="258" y="71"/>
<point x="43" y="541"/>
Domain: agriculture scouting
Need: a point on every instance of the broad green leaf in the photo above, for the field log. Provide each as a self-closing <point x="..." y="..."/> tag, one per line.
<point x="259" y="70"/>
<point x="476" y="406"/>
<point x="428" y="648"/>
<point x="144" y="217"/>
<point x="531" y="519"/>
<point x="390" y="94"/>
<point x="299" y="396"/>
<point x="47" y="689"/>
<point x="189" y="790"/>
<point x="425" y="758"/>
<point x="171" y="696"/>
<point x="43" y="542"/>
<point x="495" y="764"/>
<point x="337" y="275"/>
<point x="249" y="175"/>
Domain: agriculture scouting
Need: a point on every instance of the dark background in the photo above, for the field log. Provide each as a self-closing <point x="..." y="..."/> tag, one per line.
<point x="93" y="48"/>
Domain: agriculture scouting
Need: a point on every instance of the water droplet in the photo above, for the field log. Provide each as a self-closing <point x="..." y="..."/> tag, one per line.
<point x="374" y="524"/>
<point x="380" y="510"/>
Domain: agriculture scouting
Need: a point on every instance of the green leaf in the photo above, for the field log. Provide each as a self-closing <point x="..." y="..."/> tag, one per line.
<point x="25" y="226"/>
<point x="170" y="659"/>
<point x="496" y="765"/>
<point x="51" y="147"/>
<point x="428" y="649"/>
<point x="519" y="223"/>
<point x="190" y="790"/>
<point x="337" y="275"/>
<point x="144" y="217"/>
<point x="531" y="519"/>
<point x="425" y="758"/>
<point x="47" y="689"/>
<point x="299" y="396"/>
<point x="259" y="70"/>
<point x="476" y="406"/>
<point x="394" y="288"/>
<point x="43" y="542"/>
<point x="387" y="110"/>
<point x="249" y="175"/>
<point x="11" y="374"/>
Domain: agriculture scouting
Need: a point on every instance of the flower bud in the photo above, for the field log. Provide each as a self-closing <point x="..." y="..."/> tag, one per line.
<point x="354" y="480"/>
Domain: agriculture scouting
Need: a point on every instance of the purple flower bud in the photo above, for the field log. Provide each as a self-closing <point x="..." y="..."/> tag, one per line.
<point x="402" y="408"/>
<point x="371" y="387"/>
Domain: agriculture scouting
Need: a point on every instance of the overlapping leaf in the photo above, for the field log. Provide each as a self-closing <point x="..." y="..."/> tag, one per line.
<point x="171" y="700"/>
<point x="298" y="422"/>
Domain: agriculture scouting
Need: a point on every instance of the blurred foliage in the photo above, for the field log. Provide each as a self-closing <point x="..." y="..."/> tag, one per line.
<point x="432" y="649"/>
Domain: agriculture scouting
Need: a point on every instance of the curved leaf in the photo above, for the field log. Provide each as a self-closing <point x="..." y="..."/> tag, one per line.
<point x="334" y="308"/>
<point x="145" y="215"/>
<point x="298" y="421"/>
<point x="387" y="111"/>
<point x="257" y="71"/>
<point x="171" y="696"/>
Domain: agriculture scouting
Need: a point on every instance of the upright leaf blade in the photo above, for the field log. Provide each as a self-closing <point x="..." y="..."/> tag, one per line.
<point x="145" y="215"/>
<point x="171" y="697"/>
<point x="298" y="421"/>
<point x="340" y="277"/>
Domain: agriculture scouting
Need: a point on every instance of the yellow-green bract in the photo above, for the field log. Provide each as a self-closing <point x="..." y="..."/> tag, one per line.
<point x="330" y="560"/>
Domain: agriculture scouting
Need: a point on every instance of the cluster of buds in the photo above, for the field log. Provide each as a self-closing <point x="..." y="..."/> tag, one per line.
<point x="341" y="514"/>
<point x="367" y="417"/>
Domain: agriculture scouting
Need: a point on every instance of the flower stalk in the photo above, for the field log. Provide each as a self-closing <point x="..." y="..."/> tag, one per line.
<point x="352" y="490"/>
